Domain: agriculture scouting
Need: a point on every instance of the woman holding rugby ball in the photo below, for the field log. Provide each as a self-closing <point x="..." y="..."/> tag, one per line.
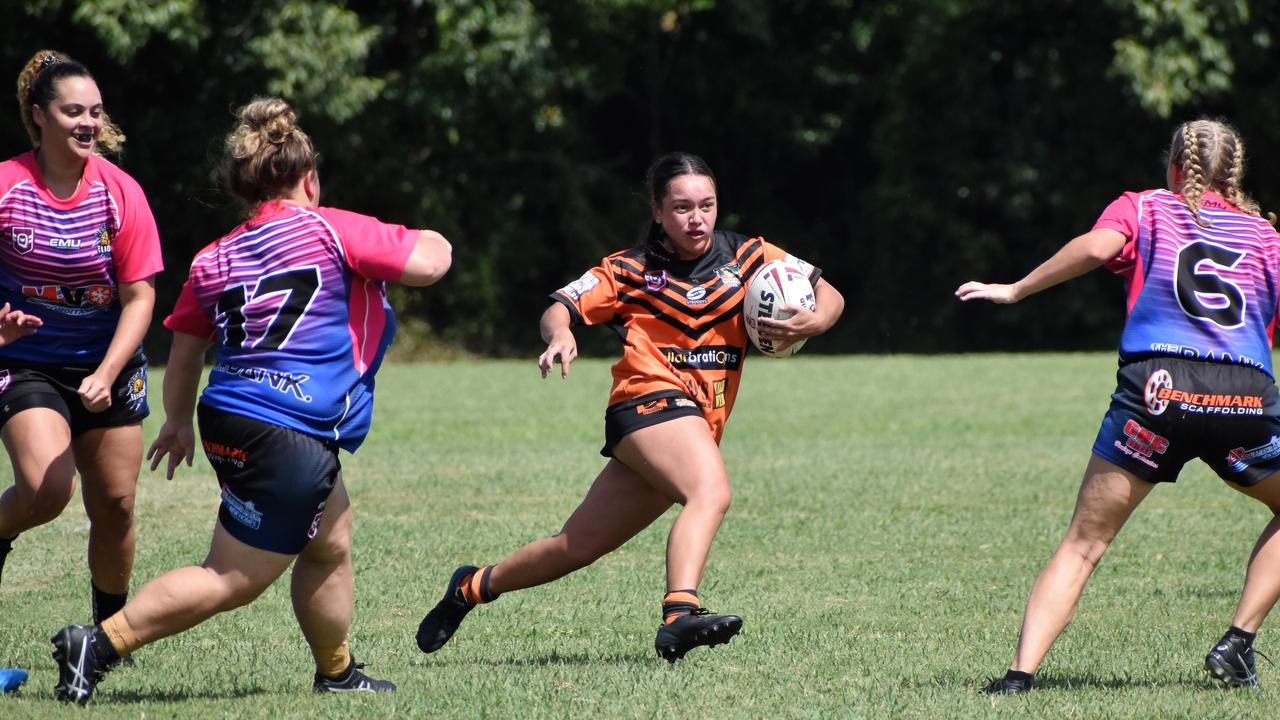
<point x="672" y="298"/>
<point x="1195" y="379"/>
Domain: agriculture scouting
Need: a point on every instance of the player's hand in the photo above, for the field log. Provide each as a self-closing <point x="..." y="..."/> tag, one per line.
<point x="95" y="393"/>
<point x="563" y="349"/>
<point x="804" y="323"/>
<point x="15" y="324"/>
<point x="996" y="293"/>
<point x="178" y="441"/>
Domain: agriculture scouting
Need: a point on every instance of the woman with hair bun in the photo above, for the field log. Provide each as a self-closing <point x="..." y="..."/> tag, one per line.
<point x="1202" y="268"/>
<point x="78" y="254"/>
<point x="294" y="301"/>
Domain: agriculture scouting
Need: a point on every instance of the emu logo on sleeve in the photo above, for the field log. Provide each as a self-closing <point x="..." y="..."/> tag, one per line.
<point x="24" y="239"/>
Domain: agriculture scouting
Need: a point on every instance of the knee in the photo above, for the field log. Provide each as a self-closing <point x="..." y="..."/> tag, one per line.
<point x="712" y="496"/>
<point x="579" y="551"/>
<point x="44" y="502"/>
<point x="112" y="515"/>
<point x="237" y="592"/>
<point x="329" y="550"/>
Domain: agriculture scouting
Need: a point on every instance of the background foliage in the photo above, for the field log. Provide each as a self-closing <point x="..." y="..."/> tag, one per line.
<point x="903" y="145"/>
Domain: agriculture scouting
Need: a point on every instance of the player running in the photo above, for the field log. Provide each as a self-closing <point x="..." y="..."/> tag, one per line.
<point x="78" y="255"/>
<point x="1195" y="379"/>
<point x="295" y="301"/>
<point x="675" y="300"/>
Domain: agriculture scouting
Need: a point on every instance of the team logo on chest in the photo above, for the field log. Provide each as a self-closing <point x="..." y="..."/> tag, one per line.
<point x="24" y="239"/>
<point x="655" y="281"/>
<point x="104" y="235"/>
<point x="730" y="275"/>
<point x="696" y="295"/>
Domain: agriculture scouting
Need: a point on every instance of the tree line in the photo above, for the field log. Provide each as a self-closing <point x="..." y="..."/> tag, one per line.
<point x="904" y="146"/>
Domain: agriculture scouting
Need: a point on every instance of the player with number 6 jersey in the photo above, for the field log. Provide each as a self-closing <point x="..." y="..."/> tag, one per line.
<point x="1202" y="269"/>
<point x="294" y="299"/>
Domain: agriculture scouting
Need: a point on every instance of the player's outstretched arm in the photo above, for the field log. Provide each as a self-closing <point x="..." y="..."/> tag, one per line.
<point x="562" y="347"/>
<point x="16" y="324"/>
<point x="431" y="258"/>
<point x="1082" y="254"/>
<point x="177" y="437"/>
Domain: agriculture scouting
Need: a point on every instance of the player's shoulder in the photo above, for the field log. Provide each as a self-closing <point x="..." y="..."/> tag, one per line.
<point x="112" y="174"/>
<point x="16" y="170"/>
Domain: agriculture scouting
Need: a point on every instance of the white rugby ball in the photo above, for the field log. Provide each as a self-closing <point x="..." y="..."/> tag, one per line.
<point x="777" y="283"/>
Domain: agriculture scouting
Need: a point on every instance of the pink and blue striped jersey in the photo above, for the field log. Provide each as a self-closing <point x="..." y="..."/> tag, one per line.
<point x="63" y="259"/>
<point x="1203" y="293"/>
<point x="296" y="300"/>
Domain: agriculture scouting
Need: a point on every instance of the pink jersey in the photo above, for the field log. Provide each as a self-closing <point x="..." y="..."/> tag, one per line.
<point x="1204" y="292"/>
<point x="296" y="301"/>
<point x="63" y="259"/>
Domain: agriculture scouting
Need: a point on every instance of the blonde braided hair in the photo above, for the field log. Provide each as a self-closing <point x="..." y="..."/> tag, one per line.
<point x="1209" y="154"/>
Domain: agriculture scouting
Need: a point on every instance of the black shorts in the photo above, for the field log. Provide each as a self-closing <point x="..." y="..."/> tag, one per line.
<point x="27" y="385"/>
<point x="631" y="415"/>
<point x="1166" y="411"/>
<point x="275" y="481"/>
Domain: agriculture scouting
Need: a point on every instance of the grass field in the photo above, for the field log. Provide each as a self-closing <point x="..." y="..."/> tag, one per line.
<point x="889" y="516"/>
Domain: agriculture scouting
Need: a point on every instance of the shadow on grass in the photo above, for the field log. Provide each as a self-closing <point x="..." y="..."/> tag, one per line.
<point x="121" y="697"/>
<point x="1098" y="682"/>
<point x="548" y="659"/>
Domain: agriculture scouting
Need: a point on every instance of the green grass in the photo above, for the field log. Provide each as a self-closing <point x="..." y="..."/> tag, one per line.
<point x="889" y="516"/>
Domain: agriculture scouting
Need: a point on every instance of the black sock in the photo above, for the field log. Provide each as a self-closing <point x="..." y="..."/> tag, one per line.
<point x="104" y="652"/>
<point x="106" y="604"/>
<point x="1246" y="636"/>
<point x="1019" y="675"/>
<point x="6" y="544"/>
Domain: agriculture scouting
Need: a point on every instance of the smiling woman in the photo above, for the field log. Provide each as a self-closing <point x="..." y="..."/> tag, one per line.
<point x="78" y="253"/>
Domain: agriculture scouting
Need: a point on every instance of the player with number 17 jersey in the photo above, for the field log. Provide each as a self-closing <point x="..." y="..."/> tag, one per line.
<point x="298" y="298"/>
<point x="1201" y="292"/>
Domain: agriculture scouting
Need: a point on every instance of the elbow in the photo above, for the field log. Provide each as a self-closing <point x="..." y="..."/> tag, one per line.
<point x="431" y="259"/>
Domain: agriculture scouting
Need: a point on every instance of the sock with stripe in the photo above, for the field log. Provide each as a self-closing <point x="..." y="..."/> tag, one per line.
<point x="679" y="602"/>
<point x="475" y="587"/>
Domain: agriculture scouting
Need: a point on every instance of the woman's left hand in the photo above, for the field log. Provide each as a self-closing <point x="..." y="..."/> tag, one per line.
<point x="805" y="323"/>
<point x="95" y="393"/>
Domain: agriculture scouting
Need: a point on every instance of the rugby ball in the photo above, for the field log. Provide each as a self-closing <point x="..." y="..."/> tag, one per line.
<point x="776" y="284"/>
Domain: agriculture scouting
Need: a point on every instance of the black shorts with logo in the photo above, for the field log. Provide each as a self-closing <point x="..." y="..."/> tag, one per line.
<point x="28" y="385"/>
<point x="1166" y="411"/>
<point x="628" y="416"/>
<point x="275" y="481"/>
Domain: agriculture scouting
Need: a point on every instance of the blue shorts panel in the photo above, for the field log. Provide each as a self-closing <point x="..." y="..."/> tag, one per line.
<point x="1166" y="411"/>
<point x="275" y="481"/>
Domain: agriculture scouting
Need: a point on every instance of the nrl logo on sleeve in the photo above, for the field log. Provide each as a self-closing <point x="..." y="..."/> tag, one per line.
<point x="24" y="239"/>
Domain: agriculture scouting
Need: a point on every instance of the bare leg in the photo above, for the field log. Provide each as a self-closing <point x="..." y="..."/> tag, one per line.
<point x="323" y="588"/>
<point x="1262" y="580"/>
<point x="681" y="460"/>
<point x="619" y="504"/>
<point x="39" y="445"/>
<point x="233" y="574"/>
<point x="109" y="460"/>
<point x="1107" y="497"/>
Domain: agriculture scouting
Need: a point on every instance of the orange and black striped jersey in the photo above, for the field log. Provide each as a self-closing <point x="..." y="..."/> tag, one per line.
<point x="680" y="322"/>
